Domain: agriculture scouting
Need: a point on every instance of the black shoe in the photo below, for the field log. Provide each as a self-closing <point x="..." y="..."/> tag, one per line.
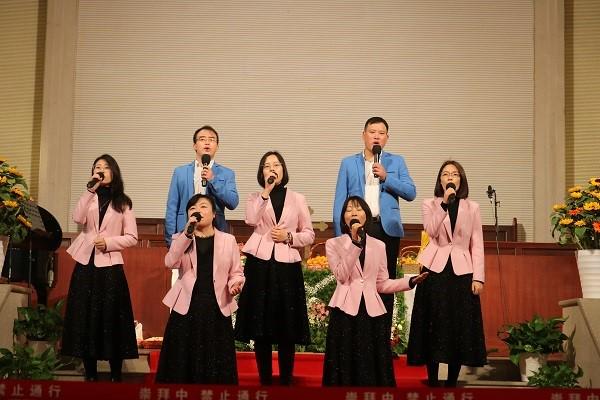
<point x="91" y="378"/>
<point x="116" y="379"/>
<point x="450" y="384"/>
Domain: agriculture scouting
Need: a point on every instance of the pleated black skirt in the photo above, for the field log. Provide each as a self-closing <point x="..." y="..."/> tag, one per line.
<point x="99" y="318"/>
<point x="446" y="324"/>
<point x="358" y="350"/>
<point x="272" y="305"/>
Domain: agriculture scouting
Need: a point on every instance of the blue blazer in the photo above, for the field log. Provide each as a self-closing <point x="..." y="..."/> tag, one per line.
<point x="398" y="184"/>
<point x="222" y="188"/>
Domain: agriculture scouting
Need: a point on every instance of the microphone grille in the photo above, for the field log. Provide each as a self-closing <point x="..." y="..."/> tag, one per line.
<point x="376" y="149"/>
<point x="205" y="159"/>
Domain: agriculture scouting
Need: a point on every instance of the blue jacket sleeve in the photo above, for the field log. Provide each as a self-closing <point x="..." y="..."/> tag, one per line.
<point x="341" y="193"/>
<point x="400" y="184"/>
<point x="225" y="189"/>
<point x="173" y="200"/>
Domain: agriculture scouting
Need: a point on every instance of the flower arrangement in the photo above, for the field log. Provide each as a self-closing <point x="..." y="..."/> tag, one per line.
<point x="577" y="221"/>
<point x="13" y="194"/>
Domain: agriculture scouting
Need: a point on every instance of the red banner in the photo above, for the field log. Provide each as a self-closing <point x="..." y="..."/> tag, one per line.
<point x="65" y="390"/>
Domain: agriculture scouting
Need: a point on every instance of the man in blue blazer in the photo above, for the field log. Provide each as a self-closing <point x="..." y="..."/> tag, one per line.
<point x="212" y="179"/>
<point x="381" y="184"/>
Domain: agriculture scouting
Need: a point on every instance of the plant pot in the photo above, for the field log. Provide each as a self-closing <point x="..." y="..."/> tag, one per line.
<point x="530" y="363"/>
<point x="588" y="264"/>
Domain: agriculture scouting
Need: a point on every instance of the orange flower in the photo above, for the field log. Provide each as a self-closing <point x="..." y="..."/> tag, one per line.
<point x="576" y="211"/>
<point x="597" y="226"/>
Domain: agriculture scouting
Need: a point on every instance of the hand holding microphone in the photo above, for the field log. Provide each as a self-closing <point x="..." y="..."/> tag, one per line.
<point x="95" y="181"/>
<point x="205" y="160"/>
<point x="450" y="194"/>
<point x="358" y="231"/>
<point x="376" y="150"/>
<point x="194" y="219"/>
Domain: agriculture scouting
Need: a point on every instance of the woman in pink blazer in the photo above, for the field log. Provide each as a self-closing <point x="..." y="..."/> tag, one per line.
<point x="446" y="325"/>
<point x="99" y="319"/>
<point x="273" y="303"/>
<point x="198" y="345"/>
<point x="358" y="349"/>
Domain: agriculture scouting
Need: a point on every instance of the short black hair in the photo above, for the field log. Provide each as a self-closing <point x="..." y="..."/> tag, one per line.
<point x="363" y="204"/>
<point x="195" y="198"/>
<point x="260" y="177"/>
<point x="208" y="128"/>
<point x="119" y="200"/>
<point x="463" y="189"/>
<point x="376" y="120"/>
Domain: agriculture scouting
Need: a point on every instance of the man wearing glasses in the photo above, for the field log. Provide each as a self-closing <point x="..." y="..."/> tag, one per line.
<point x="203" y="175"/>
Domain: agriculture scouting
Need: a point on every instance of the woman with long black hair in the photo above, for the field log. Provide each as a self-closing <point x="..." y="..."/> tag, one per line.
<point x="99" y="321"/>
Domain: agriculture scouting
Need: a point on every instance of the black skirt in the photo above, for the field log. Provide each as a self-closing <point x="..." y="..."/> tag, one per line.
<point x="446" y="324"/>
<point x="198" y="347"/>
<point x="272" y="305"/>
<point x="99" y="319"/>
<point x="358" y="350"/>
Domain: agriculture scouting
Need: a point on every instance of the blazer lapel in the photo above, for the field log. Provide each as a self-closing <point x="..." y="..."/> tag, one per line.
<point x="194" y="258"/>
<point x="190" y="180"/>
<point x="360" y="172"/>
<point x="219" y="245"/>
<point x="446" y="221"/>
<point x="95" y="213"/>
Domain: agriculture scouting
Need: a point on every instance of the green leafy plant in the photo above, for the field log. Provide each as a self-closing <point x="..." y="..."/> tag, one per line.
<point x="539" y="335"/>
<point x="23" y="364"/>
<point x="577" y="220"/>
<point x="557" y="375"/>
<point x="13" y="194"/>
<point x="40" y="322"/>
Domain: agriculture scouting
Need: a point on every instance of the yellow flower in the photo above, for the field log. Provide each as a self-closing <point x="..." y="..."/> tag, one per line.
<point x="591" y="206"/>
<point x="3" y="180"/>
<point x="17" y="191"/>
<point x="580" y="223"/>
<point x="566" y="221"/>
<point x="559" y="207"/>
<point x="575" y="195"/>
<point x="24" y="221"/>
<point x="14" y="171"/>
<point x="10" y="203"/>
<point x="595" y="181"/>
<point x="596" y="194"/>
<point x="575" y="189"/>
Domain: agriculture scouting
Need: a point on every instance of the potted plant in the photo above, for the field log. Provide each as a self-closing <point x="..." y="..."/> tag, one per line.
<point x="13" y="194"/>
<point x="39" y="324"/>
<point x="557" y="375"/>
<point x="530" y="342"/>
<point x="22" y="363"/>
<point x="577" y="221"/>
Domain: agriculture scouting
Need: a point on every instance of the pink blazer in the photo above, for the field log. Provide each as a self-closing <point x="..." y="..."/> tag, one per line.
<point x="295" y="218"/>
<point x="119" y="230"/>
<point x="465" y="246"/>
<point x="354" y="282"/>
<point x="227" y="271"/>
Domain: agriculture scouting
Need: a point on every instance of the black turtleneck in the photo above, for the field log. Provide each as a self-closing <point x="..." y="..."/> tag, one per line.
<point x="452" y="211"/>
<point x="104" y="197"/>
<point x="277" y="199"/>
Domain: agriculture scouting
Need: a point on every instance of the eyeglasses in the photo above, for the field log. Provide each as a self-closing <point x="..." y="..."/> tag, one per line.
<point x="454" y="175"/>
<point x="204" y="139"/>
<point x="267" y="166"/>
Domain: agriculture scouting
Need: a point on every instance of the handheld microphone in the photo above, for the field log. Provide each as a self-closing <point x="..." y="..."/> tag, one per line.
<point x="361" y="230"/>
<point x="270" y="180"/>
<point x="451" y="197"/>
<point x="205" y="160"/>
<point x="192" y="225"/>
<point x="376" y="155"/>
<point x="93" y="182"/>
<point x="490" y="193"/>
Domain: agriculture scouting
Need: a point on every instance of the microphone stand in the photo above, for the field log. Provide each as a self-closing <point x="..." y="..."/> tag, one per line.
<point x="496" y="203"/>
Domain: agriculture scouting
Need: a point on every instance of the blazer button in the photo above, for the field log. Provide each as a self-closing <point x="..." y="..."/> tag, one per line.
<point x="362" y="280"/>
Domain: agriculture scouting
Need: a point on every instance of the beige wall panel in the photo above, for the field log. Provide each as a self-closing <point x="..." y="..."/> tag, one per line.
<point x="22" y="33"/>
